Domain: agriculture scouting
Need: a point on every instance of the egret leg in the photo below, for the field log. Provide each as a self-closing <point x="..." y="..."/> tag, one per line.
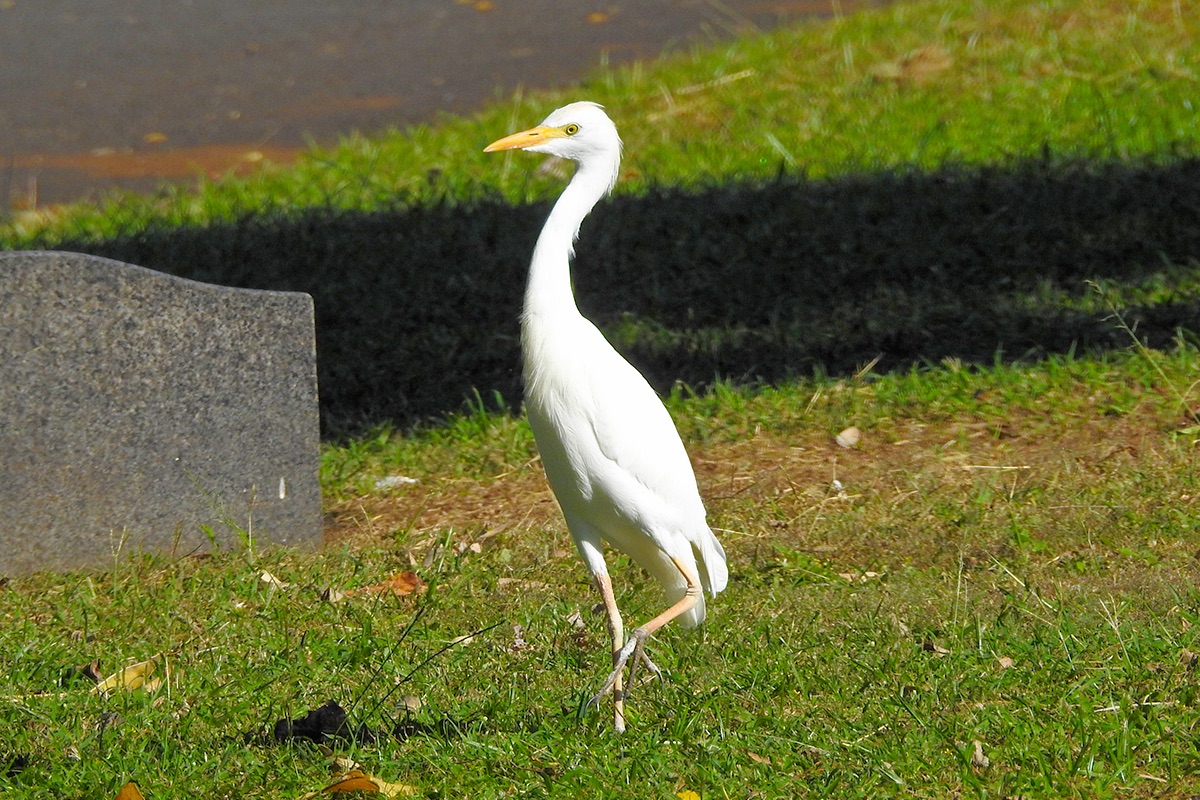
<point x="616" y="633"/>
<point x="635" y="648"/>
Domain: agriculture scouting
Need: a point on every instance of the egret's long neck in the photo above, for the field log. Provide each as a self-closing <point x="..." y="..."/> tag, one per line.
<point x="549" y="286"/>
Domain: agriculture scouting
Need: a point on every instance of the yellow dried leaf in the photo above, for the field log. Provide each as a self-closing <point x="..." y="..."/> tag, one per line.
<point x="133" y="677"/>
<point x="353" y="781"/>
<point x="400" y="584"/>
<point x="130" y="791"/>
<point x="155" y="137"/>
<point x="395" y="789"/>
<point x="597" y="18"/>
<point x="358" y="781"/>
<point x="687" y="794"/>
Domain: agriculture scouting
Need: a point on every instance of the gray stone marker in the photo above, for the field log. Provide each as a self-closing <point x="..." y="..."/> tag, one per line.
<point x="144" y="412"/>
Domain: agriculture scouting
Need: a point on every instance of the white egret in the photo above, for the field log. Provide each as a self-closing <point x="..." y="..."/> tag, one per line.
<point x="611" y="453"/>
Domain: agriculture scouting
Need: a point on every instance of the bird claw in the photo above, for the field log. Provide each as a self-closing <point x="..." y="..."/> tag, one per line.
<point x="650" y="665"/>
<point x="634" y="648"/>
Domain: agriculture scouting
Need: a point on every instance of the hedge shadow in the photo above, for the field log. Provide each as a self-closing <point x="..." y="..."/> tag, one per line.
<point x="417" y="308"/>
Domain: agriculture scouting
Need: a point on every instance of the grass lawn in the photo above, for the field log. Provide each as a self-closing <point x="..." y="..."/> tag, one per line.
<point x="968" y="230"/>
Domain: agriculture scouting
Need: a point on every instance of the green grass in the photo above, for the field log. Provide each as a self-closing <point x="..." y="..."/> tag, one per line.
<point x="967" y="229"/>
<point x="867" y="640"/>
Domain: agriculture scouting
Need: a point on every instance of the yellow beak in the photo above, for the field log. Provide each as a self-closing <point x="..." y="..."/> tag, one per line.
<point x="519" y="141"/>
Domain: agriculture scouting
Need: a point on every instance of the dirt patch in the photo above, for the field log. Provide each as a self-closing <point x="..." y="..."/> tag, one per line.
<point x="911" y="493"/>
<point x="518" y="500"/>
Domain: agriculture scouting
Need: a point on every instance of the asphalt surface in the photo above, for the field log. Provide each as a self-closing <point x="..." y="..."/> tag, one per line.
<point x="96" y="94"/>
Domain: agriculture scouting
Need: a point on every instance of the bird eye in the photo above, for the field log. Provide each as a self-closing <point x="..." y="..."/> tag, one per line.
<point x="571" y="130"/>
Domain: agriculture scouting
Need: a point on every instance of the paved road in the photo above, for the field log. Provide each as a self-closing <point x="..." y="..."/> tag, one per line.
<point x="102" y="93"/>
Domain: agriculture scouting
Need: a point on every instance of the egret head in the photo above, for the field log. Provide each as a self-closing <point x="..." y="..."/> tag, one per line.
<point x="581" y="132"/>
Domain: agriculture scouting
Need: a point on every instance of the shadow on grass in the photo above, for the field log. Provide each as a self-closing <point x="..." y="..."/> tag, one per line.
<point x="418" y="307"/>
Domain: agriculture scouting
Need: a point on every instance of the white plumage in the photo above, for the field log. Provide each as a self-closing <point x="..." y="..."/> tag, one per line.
<point x="611" y="452"/>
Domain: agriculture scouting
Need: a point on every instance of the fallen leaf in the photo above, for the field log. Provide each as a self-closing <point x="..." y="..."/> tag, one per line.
<point x="687" y="794"/>
<point x="978" y="759"/>
<point x="394" y="789"/>
<point x="464" y="639"/>
<point x="134" y="677"/>
<point x="401" y="584"/>
<point x="598" y="18"/>
<point x="1006" y="662"/>
<point x="353" y="781"/>
<point x="431" y="556"/>
<point x="849" y="437"/>
<point x="272" y="581"/>
<point x="358" y="781"/>
<point x="936" y="649"/>
<point x="755" y="757"/>
<point x="463" y="547"/>
<point x="342" y="764"/>
<point x="155" y="137"/>
<point x="332" y="595"/>
<point x="130" y="791"/>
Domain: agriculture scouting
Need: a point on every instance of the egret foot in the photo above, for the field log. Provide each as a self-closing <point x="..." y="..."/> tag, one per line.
<point x="634" y="649"/>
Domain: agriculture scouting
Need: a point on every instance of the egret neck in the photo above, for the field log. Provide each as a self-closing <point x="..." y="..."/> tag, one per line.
<point x="549" y="288"/>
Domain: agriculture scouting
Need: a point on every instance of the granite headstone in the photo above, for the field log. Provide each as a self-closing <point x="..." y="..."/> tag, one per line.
<point x="141" y="412"/>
